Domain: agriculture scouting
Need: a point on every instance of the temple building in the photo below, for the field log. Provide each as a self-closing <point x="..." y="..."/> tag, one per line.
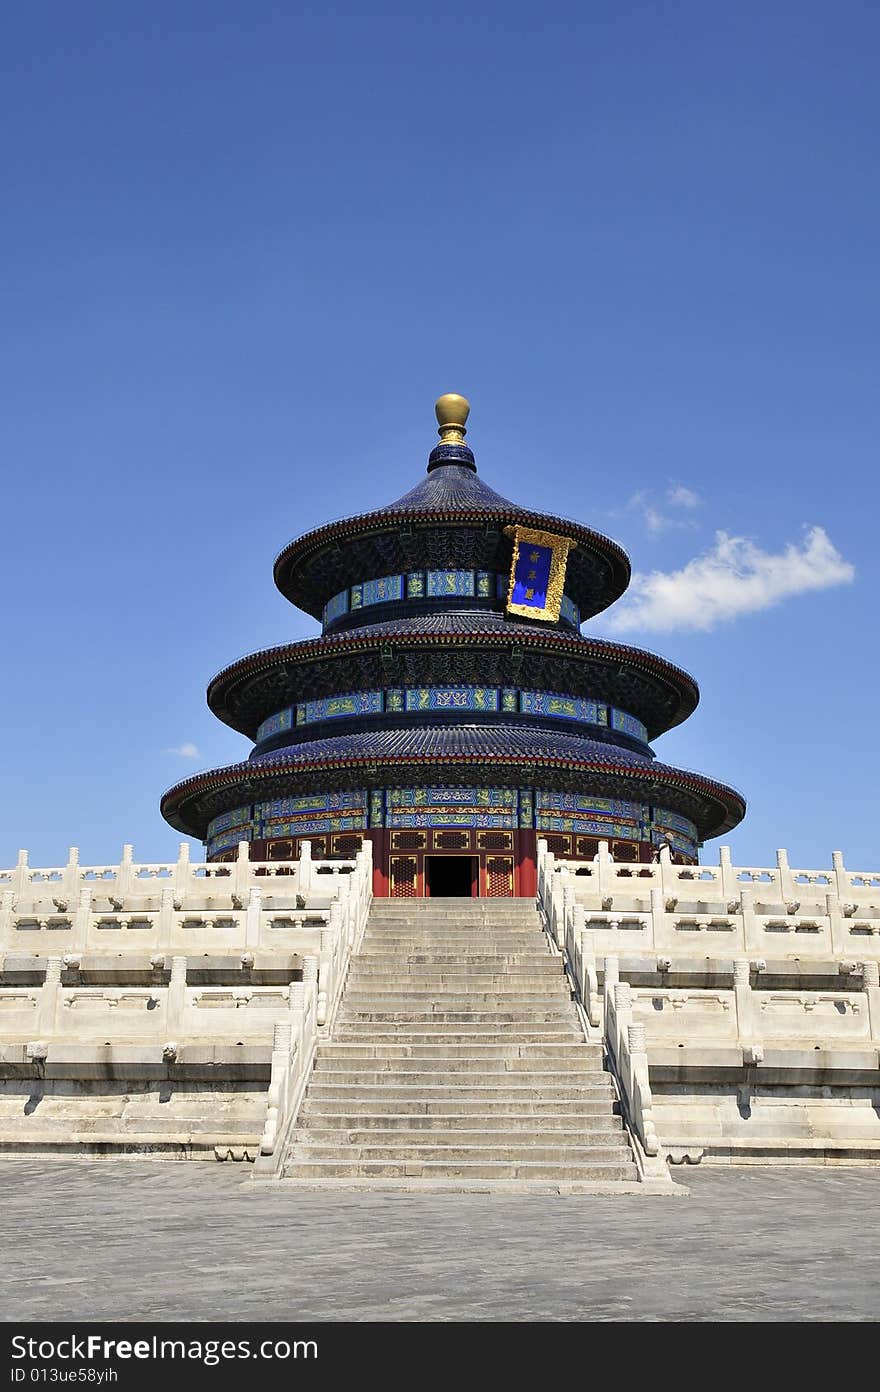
<point x="451" y="711"/>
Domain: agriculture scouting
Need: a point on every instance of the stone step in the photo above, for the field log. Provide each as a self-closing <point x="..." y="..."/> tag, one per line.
<point x="536" y="950"/>
<point x="476" y="929"/>
<point x="511" y="964"/>
<point x="544" y="972"/>
<point x="528" y="994"/>
<point x="518" y="1088"/>
<point x="451" y="923"/>
<point x="466" y="1170"/>
<point x="536" y="944"/>
<point x="499" y="1072"/>
<point x="568" y="1054"/>
<point x="444" y="918"/>
<point x="583" y="1152"/>
<point x="454" y="904"/>
<point x="384" y="919"/>
<point x="491" y="956"/>
<point x="440" y="1018"/>
<point x="371" y="1034"/>
<point x="398" y="968"/>
<point x="445" y="1131"/>
<point x="583" y="1111"/>
<point x="458" y="1056"/>
<point x="440" y="984"/>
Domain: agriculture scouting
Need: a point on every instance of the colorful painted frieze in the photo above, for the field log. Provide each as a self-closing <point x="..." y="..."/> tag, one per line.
<point x="628" y="725"/>
<point x="585" y="804"/>
<point x="228" y="838"/>
<point x="433" y="698"/>
<point x="382" y="591"/>
<point x="276" y="724"/>
<point x="336" y="707"/>
<point x="450" y="582"/>
<point x="315" y="802"/>
<point x="569" y="610"/>
<point x="311" y="826"/>
<point x="238" y="816"/>
<point x="431" y="797"/>
<point x="452" y="807"/>
<point x="560" y="707"/>
<point x="590" y="826"/>
<point x="336" y="607"/>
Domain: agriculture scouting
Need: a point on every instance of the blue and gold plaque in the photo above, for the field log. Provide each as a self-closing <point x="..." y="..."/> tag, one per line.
<point x="537" y="574"/>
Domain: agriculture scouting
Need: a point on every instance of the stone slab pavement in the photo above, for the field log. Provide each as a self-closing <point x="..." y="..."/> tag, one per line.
<point x="161" y="1240"/>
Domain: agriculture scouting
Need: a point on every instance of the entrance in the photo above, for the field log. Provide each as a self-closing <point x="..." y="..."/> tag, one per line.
<point x="451" y="877"/>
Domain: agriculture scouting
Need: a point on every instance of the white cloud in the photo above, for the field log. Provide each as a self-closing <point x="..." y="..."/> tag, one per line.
<point x="735" y="577"/>
<point x="679" y="496"/>
<point x="656" y="520"/>
<point x="185" y="751"/>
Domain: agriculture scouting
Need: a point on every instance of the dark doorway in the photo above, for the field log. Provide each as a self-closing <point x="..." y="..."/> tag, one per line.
<point x="450" y="877"/>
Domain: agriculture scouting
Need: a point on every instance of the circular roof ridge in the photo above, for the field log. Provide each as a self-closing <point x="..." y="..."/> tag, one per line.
<point x="343" y="751"/>
<point x="476" y="630"/>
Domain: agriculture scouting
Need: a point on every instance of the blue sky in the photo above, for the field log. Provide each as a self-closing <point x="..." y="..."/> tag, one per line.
<point x="244" y="247"/>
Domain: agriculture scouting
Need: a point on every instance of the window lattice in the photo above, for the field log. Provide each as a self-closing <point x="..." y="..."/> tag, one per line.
<point x="408" y="840"/>
<point x="451" y="840"/>
<point x="495" y="841"/>
<point x="403" y="877"/>
<point x="499" y="877"/>
<point x="588" y="846"/>
<point x="560" y="845"/>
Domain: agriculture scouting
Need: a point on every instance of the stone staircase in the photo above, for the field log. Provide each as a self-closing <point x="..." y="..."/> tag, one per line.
<point x="457" y="1055"/>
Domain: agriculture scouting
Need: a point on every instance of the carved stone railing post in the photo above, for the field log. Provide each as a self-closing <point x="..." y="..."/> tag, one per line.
<point x="21" y="877"/>
<point x="836" y="924"/>
<point x="182" y="871"/>
<point x="252" y="917"/>
<point x="7" y="901"/>
<point x="568" y="907"/>
<point x="622" y="1011"/>
<point x="296" y="998"/>
<point x="310" y="978"/>
<point x="661" y="924"/>
<point x="125" y="873"/>
<point x="606" y="881"/>
<point x="746" y="1022"/>
<point x="166" y="924"/>
<point x="71" y="873"/>
<point x="241" y="872"/>
<point x="47" y="1008"/>
<point x="871" y="988"/>
<point x="326" y="964"/>
<point x="640" y="1090"/>
<point x="279" y="1087"/>
<point x="840" y="875"/>
<point x="668" y="874"/>
<point x="305" y="866"/>
<point x="729" y="886"/>
<point x="752" y="939"/>
<point x="177" y="997"/>
<point x="82" y="918"/>
<point x="787" y="886"/>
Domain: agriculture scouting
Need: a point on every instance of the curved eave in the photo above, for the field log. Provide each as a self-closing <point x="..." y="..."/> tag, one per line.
<point x="222" y="686"/>
<point x="247" y="782"/>
<point x="294" y="586"/>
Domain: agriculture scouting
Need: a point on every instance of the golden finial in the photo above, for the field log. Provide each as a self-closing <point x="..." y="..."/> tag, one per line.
<point x="452" y="411"/>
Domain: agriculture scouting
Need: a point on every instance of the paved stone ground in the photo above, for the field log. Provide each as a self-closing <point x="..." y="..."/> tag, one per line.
<point x="183" y="1241"/>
